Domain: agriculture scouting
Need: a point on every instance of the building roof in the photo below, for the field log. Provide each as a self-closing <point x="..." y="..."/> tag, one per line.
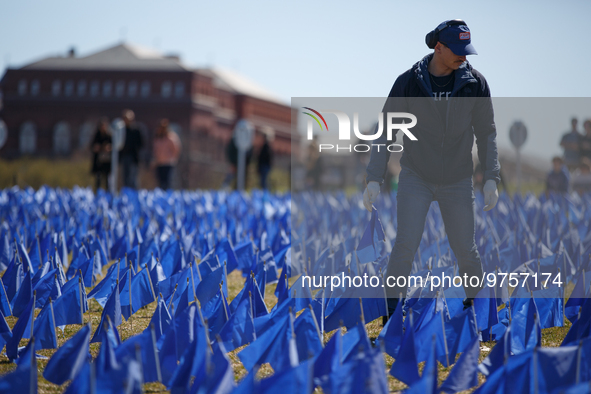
<point x="131" y="57"/>
<point x="120" y="57"/>
<point x="236" y="83"/>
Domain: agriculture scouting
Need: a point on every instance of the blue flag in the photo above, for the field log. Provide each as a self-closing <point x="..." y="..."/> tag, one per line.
<point x="405" y="368"/>
<point x="193" y="357"/>
<point x="526" y="329"/>
<point x="161" y="319"/>
<point x="24" y="378"/>
<point x="216" y="313"/>
<point x="5" y="307"/>
<point x="363" y="374"/>
<point x="70" y="307"/>
<point x="176" y="340"/>
<point x="348" y="310"/>
<point x="392" y="333"/>
<point x="239" y="330"/>
<point x="329" y="360"/>
<point x="274" y="347"/>
<point x="307" y="335"/>
<point x="464" y="375"/>
<point x="355" y="341"/>
<point x="142" y="293"/>
<point x="499" y="353"/>
<point x="24" y="295"/>
<point x="210" y="284"/>
<point x="44" y="328"/>
<point x="47" y="286"/>
<point x="113" y="311"/>
<point x="103" y="289"/>
<point x="146" y="343"/>
<point x="69" y="359"/>
<point x="216" y="376"/>
<point x="290" y="380"/>
<point x="22" y="329"/>
<point x="427" y="384"/>
<point x="368" y="249"/>
<point x="250" y="289"/>
<point x="581" y="328"/>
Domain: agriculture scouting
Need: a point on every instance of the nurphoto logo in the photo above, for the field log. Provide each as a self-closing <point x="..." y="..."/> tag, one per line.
<point x="345" y="130"/>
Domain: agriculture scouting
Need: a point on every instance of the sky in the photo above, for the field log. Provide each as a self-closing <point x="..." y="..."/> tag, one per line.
<point x="330" y="48"/>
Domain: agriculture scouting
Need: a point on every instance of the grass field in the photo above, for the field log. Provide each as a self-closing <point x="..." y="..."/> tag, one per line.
<point x="140" y="320"/>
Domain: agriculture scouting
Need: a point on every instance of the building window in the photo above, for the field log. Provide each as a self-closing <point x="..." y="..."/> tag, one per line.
<point x="166" y="89"/>
<point x="61" y="138"/>
<point x="179" y="89"/>
<point x="107" y="88"/>
<point x="94" y="88"/>
<point x="86" y="133"/>
<point x="35" y="87"/>
<point x="132" y="89"/>
<point x="28" y="138"/>
<point x="22" y="87"/>
<point x="56" y="87"/>
<point x="120" y="88"/>
<point x="81" y="88"/>
<point x="145" y="89"/>
<point x="69" y="88"/>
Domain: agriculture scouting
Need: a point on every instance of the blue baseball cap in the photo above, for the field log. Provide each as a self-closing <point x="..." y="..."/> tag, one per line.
<point x="458" y="39"/>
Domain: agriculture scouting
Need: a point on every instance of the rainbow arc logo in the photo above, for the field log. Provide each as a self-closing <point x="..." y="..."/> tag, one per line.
<point x="315" y="118"/>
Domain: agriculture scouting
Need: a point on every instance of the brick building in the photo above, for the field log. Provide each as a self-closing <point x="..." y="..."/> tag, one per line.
<point x="51" y="108"/>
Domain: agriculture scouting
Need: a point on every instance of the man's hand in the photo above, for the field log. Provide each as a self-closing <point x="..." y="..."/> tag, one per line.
<point x="371" y="193"/>
<point x="491" y="195"/>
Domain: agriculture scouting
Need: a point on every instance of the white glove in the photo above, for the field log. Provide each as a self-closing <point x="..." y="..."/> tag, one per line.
<point x="370" y="194"/>
<point x="491" y="195"/>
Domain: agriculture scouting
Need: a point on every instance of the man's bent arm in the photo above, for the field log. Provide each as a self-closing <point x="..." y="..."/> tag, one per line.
<point x="378" y="162"/>
<point x="486" y="134"/>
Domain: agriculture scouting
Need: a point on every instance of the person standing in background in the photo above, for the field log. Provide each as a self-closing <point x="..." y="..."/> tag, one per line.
<point x="570" y="142"/>
<point x="265" y="159"/>
<point x="232" y="155"/>
<point x="586" y="140"/>
<point x="101" y="149"/>
<point x="129" y="154"/>
<point x="581" y="180"/>
<point x="166" y="151"/>
<point x="557" y="180"/>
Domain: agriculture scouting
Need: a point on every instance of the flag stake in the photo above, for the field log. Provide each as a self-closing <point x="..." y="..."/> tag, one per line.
<point x="361" y="308"/>
<point x="138" y="357"/>
<point x="172" y="296"/>
<point x="224" y="303"/>
<point x="130" y="307"/>
<point x="316" y="324"/>
<point x="385" y="295"/>
<point x="444" y="340"/>
<point x="322" y="314"/>
<point x="33" y="315"/>
<point x="151" y="285"/>
<point x="193" y="280"/>
<point x="5" y="295"/>
<point x="33" y="363"/>
<point x="475" y="321"/>
<point x="157" y="359"/>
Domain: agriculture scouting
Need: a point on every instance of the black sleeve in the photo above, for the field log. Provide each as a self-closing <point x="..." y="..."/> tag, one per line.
<point x="378" y="162"/>
<point x="485" y="131"/>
